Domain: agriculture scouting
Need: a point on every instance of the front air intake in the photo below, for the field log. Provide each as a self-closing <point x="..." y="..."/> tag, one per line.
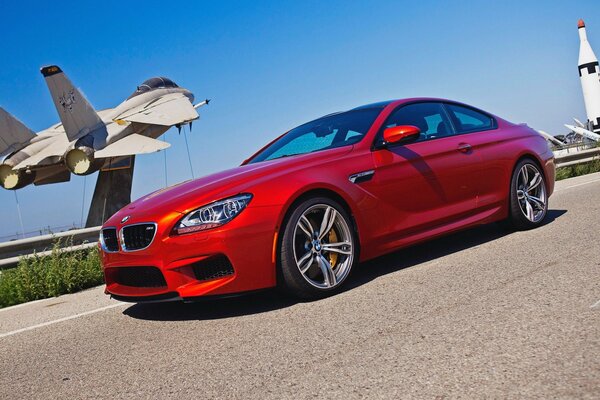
<point x="137" y="237"/>
<point x="213" y="267"/>
<point x="108" y="240"/>
<point x="136" y="276"/>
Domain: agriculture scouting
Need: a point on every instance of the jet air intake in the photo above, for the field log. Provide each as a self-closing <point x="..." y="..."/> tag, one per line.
<point x="81" y="161"/>
<point x="13" y="180"/>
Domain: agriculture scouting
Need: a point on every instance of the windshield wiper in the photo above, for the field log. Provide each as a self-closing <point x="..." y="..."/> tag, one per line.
<point x="283" y="156"/>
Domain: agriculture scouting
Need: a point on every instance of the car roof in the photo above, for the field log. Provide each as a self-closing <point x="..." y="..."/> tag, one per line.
<point x="380" y="104"/>
<point x="396" y="102"/>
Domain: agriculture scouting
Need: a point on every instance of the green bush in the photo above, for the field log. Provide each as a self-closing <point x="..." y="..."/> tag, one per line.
<point x="577" y="170"/>
<point x="38" y="277"/>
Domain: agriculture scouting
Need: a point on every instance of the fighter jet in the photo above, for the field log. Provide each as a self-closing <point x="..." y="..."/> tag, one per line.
<point x="85" y="140"/>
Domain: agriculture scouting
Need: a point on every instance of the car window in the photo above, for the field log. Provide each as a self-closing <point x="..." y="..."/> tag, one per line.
<point x="328" y="132"/>
<point x="353" y="136"/>
<point x="468" y="120"/>
<point x="430" y="118"/>
<point x="305" y="144"/>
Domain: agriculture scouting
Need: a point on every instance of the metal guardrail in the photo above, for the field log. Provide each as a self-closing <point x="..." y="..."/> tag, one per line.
<point x="577" y="145"/>
<point x="10" y="252"/>
<point x="44" y="230"/>
<point x="579" y="157"/>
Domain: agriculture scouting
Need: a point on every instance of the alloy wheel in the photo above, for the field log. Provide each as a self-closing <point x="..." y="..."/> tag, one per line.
<point x="323" y="246"/>
<point x="531" y="193"/>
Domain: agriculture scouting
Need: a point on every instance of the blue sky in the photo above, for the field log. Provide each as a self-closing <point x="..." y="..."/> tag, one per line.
<point x="271" y="65"/>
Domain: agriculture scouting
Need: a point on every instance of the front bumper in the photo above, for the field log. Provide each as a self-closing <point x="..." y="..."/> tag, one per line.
<point x="234" y="258"/>
<point x="550" y="172"/>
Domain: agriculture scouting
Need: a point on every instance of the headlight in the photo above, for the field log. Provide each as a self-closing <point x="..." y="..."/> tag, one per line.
<point x="212" y="215"/>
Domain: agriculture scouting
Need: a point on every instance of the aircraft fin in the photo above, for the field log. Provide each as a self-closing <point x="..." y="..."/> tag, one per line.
<point x="131" y="144"/>
<point x="14" y="135"/>
<point x="579" y="123"/>
<point x="76" y="114"/>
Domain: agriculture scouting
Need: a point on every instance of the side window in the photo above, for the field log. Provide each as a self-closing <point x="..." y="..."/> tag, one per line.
<point x="353" y="137"/>
<point x="468" y="120"/>
<point x="430" y="118"/>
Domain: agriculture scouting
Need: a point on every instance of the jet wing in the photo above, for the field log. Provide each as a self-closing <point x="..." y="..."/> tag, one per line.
<point x="171" y="109"/>
<point x="551" y="138"/>
<point x="131" y="144"/>
<point x="14" y="135"/>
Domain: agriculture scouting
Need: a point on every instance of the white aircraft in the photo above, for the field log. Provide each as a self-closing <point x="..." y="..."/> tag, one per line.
<point x="578" y="123"/>
<point x="551" y="138"/>
<point x="584" y="132"/>
<point x="85" y="140"/>
<point x="578" y="133"/>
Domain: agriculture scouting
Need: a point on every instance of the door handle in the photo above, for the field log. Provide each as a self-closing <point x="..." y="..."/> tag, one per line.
<point x="464" y="147"/>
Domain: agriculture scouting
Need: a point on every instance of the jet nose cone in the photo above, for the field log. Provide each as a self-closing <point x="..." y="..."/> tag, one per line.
<point x="580" y="24"/>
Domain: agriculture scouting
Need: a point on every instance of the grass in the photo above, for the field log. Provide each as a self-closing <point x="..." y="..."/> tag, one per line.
<point x="60" y="272"/>
<point x="577" y="170"/>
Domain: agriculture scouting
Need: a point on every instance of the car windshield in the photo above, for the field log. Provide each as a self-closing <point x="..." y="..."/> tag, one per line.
<point x="328" y="132"/>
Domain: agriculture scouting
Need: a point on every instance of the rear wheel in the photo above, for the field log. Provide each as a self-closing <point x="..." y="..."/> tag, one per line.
<point x="528" y="199"/>
<point x="318" y="249"/>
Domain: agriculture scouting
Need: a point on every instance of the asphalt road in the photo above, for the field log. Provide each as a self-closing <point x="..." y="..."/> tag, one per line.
<point x="483" y="313"/>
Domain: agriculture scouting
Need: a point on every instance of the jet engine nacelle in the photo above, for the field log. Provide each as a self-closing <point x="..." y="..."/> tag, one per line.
<point x="81" y="161"/>
<point x="13" y="180"/>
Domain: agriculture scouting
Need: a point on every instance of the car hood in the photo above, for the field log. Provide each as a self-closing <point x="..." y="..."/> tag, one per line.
<point x="192" y="194"/>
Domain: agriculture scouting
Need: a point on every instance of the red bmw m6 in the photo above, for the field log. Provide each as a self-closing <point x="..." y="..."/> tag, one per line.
<point x="344" y="188"/>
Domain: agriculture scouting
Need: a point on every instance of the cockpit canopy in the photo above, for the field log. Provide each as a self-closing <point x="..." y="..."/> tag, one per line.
<point x="159" y="82"/>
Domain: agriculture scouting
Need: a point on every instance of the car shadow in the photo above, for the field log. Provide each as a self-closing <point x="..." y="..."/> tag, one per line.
<point x="433" y="249"/>
<point x="270" y="300"/>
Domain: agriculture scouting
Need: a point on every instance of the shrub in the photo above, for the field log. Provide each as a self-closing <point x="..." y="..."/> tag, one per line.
<point x="577" y="170"/>
<point x="38" y="277"/>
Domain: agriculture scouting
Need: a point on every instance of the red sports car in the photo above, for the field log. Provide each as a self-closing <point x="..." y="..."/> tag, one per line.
<point x="344" y="188"/>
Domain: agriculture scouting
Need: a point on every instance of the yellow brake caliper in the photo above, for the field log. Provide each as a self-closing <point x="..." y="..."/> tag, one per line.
<point x="332" y="237"/>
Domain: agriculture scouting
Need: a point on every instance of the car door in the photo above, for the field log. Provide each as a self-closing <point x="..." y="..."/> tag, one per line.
<point x="425" y="185"/>
<point x="480" y="130"/>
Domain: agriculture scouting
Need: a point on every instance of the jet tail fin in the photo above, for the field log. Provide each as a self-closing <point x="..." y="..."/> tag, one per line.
<point x="76" y="114"/>
<point x="14" y="135"/>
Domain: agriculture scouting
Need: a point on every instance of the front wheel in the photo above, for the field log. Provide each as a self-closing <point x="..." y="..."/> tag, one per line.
<point x="528" y="198"/>
<point x="318" y="249"/>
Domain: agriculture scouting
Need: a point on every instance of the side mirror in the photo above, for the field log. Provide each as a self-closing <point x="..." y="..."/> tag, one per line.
<point x="402" y="133"/>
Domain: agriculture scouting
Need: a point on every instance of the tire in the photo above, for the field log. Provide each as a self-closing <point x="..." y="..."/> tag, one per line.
<point x="528" y="196"/>
<point x="311" y="267"/>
